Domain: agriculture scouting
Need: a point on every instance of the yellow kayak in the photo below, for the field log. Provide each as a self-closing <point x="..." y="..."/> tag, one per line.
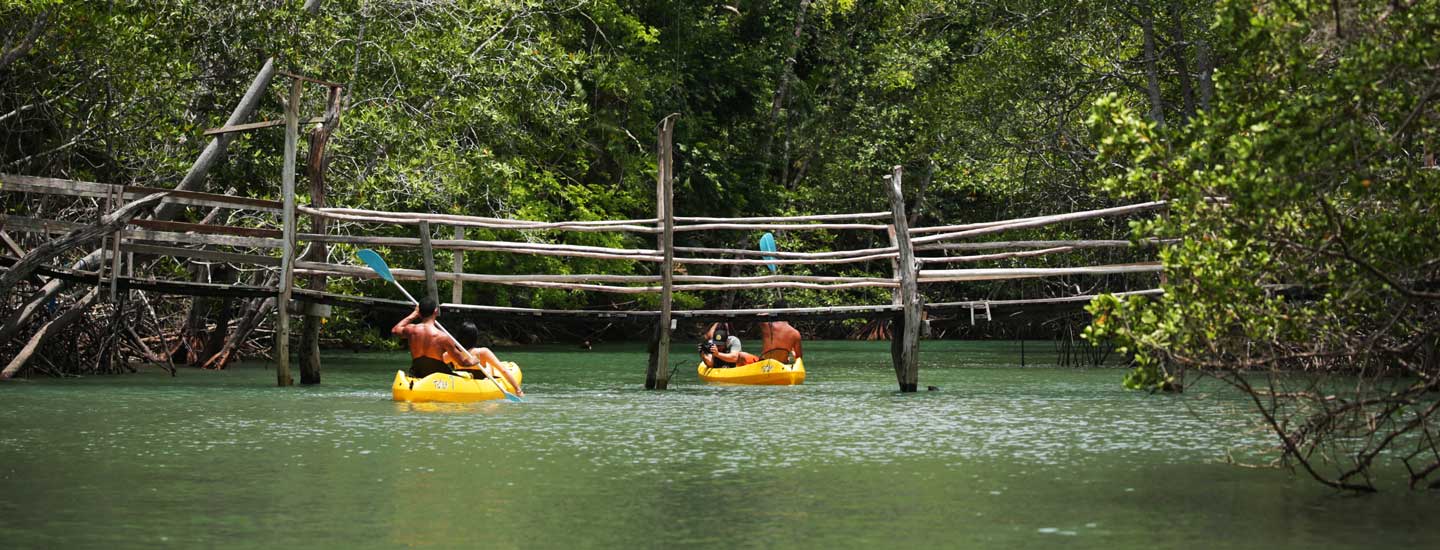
<point x="452" y="388"/>
<point x="767" y="372"/>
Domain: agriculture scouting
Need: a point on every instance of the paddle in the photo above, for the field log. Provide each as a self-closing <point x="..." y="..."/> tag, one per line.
<point x="767" y="244"/>
<point x="377" y="264"/>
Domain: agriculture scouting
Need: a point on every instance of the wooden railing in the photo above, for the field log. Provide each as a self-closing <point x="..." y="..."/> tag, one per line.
<point x="258" y="246"/>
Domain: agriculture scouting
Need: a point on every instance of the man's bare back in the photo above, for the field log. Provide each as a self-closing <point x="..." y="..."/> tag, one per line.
<point x="426" y="340"/>
<point x="780" y="335"/>
<point x="428" y="344"/>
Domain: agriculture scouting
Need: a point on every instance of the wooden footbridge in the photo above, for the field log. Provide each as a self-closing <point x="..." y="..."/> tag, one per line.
<point x="138" y="221"/>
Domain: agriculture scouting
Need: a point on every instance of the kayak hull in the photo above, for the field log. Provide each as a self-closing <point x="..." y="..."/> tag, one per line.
<point x="768" y="372"/>
<point x="450" y="388"/>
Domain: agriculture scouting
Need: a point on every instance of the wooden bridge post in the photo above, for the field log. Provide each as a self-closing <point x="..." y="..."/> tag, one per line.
<point x="905" y="338"/>
<point x="431" y="288"/>
<point x="319" y="225"/>
<point x="457" y="287"/>
<point x="287" y="248"/>
<point x="657" y="372"/>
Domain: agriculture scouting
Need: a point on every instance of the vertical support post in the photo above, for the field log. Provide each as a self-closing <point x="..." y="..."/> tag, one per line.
<point x="115" y="263"/>
<point x="317" y="251"/>
<point x="905" y="339"/>
<point x="110" y="205"/>
<point x="457" y="288"/>
<point x="431" y="288"/>
<point x="657" y="373"/>
<point x="287" y="248"/>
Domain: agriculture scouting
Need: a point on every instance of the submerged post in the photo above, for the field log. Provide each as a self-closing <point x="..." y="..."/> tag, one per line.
<point x="657" y="373"/>
<point x="905" y="338"/>
<point x="287" y="247"/>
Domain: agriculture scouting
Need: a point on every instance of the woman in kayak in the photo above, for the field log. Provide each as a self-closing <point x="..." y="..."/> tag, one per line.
<point x="722" y="350"/>
<point x="469" y="337"/>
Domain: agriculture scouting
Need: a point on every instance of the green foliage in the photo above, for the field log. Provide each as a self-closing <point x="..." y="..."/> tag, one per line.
<point x="1304" y="205"/>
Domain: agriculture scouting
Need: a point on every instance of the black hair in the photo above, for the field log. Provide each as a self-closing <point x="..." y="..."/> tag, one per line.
<point x="428" y="306"/>
<point x="469" y="335"/>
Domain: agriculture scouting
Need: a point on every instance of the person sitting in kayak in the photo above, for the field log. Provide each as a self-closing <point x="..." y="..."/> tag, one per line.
<point x="469" y="337"/>
<point x="428" y="344"/>
<point x="722" y="350"/>
<point x="779" y="340"/>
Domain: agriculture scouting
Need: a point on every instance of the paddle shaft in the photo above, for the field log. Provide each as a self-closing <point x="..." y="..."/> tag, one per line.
<point x="487" y="374"/>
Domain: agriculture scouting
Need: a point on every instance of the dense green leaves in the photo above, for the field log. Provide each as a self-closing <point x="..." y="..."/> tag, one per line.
<point x="1305" y="204"/>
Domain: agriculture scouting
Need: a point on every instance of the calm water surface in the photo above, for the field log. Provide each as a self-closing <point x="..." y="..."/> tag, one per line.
<point x="1001" y="457"/>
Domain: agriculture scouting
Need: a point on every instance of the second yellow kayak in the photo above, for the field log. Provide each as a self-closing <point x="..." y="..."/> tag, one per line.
<point x="767" y="372"/>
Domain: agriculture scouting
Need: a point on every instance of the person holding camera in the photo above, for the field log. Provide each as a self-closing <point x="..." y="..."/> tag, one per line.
<point x="722" y="350"/>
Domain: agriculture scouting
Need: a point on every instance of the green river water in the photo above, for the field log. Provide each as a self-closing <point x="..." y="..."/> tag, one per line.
<point x="1001" y="457"/>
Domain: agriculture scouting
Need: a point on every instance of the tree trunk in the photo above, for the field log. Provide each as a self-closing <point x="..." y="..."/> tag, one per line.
<point x="787" y="72"/>
<point x="1177" y="53"/>
<point x="255" y="311"/>
<point x="920" y="194"/>
<point x="1152" y="69"/>
<point x="215" y="340"/>
<point x="1206" y="67"/>
<point x="20" y="49"/>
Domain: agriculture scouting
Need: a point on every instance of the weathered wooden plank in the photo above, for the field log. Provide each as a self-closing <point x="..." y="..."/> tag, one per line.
<point x="789" y="255"/>
<point x="212" y="255"/>
<point x="401" y="218"/>
<point x="1053" y="218"/>
<point x="783" y="219"/>
<point x="780" y="226"/>
<point x="996" y="245"/>
<point x="186" y="227"/>
<point x="75" y="188"/>
<point x="953" y="275"/>
<point x="1084" y="298"/>
<point x="255" y="126"/>
<point x="419" y="275"/>
<point x="998" y="227"/>
<point x="542" y="249"/>
<point x="990" y="257"/>
<point x="169" y="237"/>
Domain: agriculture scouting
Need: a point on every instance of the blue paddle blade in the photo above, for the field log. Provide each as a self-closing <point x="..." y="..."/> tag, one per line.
<point x="767" y="244"/>
<point x="373" y="259"/>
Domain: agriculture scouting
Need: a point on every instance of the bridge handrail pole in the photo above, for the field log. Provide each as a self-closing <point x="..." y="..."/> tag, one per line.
<point x="657" y="372"/>
<point x="287" y="246"/>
